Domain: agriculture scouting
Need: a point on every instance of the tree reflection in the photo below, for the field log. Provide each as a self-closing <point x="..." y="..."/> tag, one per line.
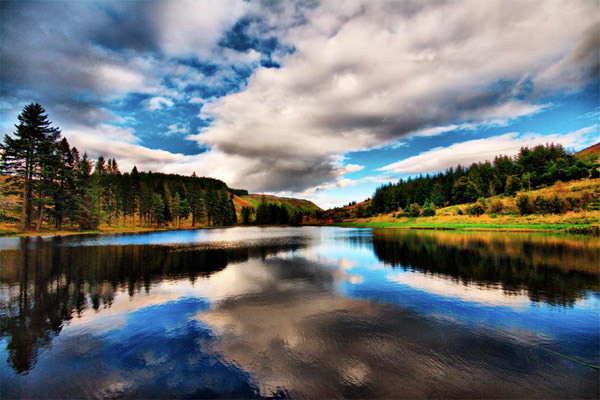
<point x="44" y="286"/>
<point x="549" y="269"/>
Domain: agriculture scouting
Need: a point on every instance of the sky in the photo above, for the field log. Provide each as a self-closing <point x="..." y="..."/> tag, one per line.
<point x="324" y="100"/>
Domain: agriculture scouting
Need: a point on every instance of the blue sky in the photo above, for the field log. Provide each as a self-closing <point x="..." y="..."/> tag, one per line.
<point x="318" y="99"/>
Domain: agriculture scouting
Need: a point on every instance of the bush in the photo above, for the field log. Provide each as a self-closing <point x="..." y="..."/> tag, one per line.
<point x="476" y="209"/>
<point x="524" y="204"/>
<point x="558" y="205"/>
<point x="542" y="205"/>
<point x="414" y="210"/>
<point x="428" y="212"/>
<point x="460" y="211"/>
<point x="573" y="203"/>
<point x="496" y="206"/>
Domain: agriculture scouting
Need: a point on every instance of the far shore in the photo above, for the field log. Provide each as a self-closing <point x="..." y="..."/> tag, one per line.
<point x="414" y="224"/>
<point x="585" y="229"/>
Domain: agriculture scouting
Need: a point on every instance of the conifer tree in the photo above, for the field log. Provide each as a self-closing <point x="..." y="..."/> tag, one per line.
<point x="23" y="157"/>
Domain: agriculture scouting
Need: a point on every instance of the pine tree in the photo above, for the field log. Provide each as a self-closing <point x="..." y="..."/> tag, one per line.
<point x="158" y="209"/>
<point x="175" y="207"/>
<point x="134" y="203"/>
<point x="246" y="211"/>
<point x="89" y="212"/>
<point x="24" y="154"/>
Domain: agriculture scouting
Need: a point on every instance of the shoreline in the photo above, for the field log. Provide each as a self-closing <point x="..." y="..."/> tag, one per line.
<point x="580" y="229"/>
<point x="98" y="231"/>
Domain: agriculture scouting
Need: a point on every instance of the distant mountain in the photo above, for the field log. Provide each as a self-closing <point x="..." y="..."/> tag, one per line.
<point x="292" y="204"/>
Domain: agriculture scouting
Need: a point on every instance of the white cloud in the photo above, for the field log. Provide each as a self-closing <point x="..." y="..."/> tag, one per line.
<point x="175" y="129"/>
<point x="364" y="75"/>
<point x="158" y="103"/>
<point x="193" y="28"/>
<point x="479" y="150"/>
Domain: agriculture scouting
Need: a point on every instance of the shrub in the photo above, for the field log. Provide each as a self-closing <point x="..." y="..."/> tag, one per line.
<point x="542" y="205"/>
<point x="558" y="205"/>
<point x="476" y="209"/>
<point x="414" y="210"/>
<point x="428" y="212"/>
<point x="573" y="203"/>
<point x="587" y="200"/>
<point x="496" y="206"/>
<point x="524" y="204"/>
<point x="460" y="211"/>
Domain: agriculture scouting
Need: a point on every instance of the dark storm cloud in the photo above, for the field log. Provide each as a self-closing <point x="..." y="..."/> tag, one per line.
<point x="52" y="53"/>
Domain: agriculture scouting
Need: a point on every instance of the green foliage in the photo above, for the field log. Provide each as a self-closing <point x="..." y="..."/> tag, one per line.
<point x="29" y="157"/>
<point x="524" y="203"/>
<point x="513" y="185"/>
<point x="465" y="191"/>
<point x="554" y="204"/>
<point x="413" y="210"/>
<point x="476" y="209"/>
<point x="496" y="206"/>
<point x="55" y="184"/>
<point x="273" y="214"/>
<point x="246" y="212"/>
<point x="428" y="211"/>
<point x="530" y="169"/>
<point x="158" y="209"/>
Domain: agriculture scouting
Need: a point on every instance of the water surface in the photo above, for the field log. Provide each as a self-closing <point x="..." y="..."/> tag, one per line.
<point x="302" y="313"/>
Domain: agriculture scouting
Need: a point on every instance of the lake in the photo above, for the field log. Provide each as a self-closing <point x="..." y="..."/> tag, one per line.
<point x="310" y="312"/>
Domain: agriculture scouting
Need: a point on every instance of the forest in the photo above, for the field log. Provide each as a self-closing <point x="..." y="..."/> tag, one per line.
<point x="58" y="186"/>
<point x="531" y="168"/>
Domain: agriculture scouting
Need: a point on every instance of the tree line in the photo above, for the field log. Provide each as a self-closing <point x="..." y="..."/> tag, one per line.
<point x="58" y="186"/>
<point x="270" y="214"/>
<point x="530" y="169"/>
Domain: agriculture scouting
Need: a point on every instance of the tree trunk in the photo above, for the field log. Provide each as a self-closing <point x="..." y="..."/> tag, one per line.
<point x="40" y="216"/>
<point x="40" y="213"/>
<point x="24" y="225"/>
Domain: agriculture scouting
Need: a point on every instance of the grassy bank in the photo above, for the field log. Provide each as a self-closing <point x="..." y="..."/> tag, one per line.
<point x="585" y="222"/>
<point x="12" y="230"/>
<point x="506" y="217"/>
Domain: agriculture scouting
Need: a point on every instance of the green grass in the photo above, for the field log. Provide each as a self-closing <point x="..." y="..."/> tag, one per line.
<point x="567" y="228"/>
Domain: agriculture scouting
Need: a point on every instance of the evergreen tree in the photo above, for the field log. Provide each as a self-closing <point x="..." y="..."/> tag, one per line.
<point x="175" y="207"/>
<point x="246" y="211"/>
<point x="184" y="211"/>
<point x="465" y="191"/>
<point x="23" y="156"/>
<point x="89" y="212"/>
<point x="158" y="209"/>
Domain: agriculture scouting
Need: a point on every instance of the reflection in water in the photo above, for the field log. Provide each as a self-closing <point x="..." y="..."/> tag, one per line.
<point x="45" y="286"/>
<point x="548" y="268"/>
<point x="307" y="312"/>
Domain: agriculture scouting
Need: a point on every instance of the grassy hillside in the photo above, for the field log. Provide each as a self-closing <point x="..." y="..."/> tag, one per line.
<point x="590" y="154"/>
<point x="583" y="219"/>
<point x="293" y="205"/>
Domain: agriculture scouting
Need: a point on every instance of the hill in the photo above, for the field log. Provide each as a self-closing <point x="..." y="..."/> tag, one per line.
<point x="292" y="204"/>
<point x="590" y="154"/>
<point x="580" y="200"/>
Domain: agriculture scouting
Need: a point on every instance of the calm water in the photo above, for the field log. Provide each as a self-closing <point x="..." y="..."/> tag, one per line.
<point x="302" y="313"/>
